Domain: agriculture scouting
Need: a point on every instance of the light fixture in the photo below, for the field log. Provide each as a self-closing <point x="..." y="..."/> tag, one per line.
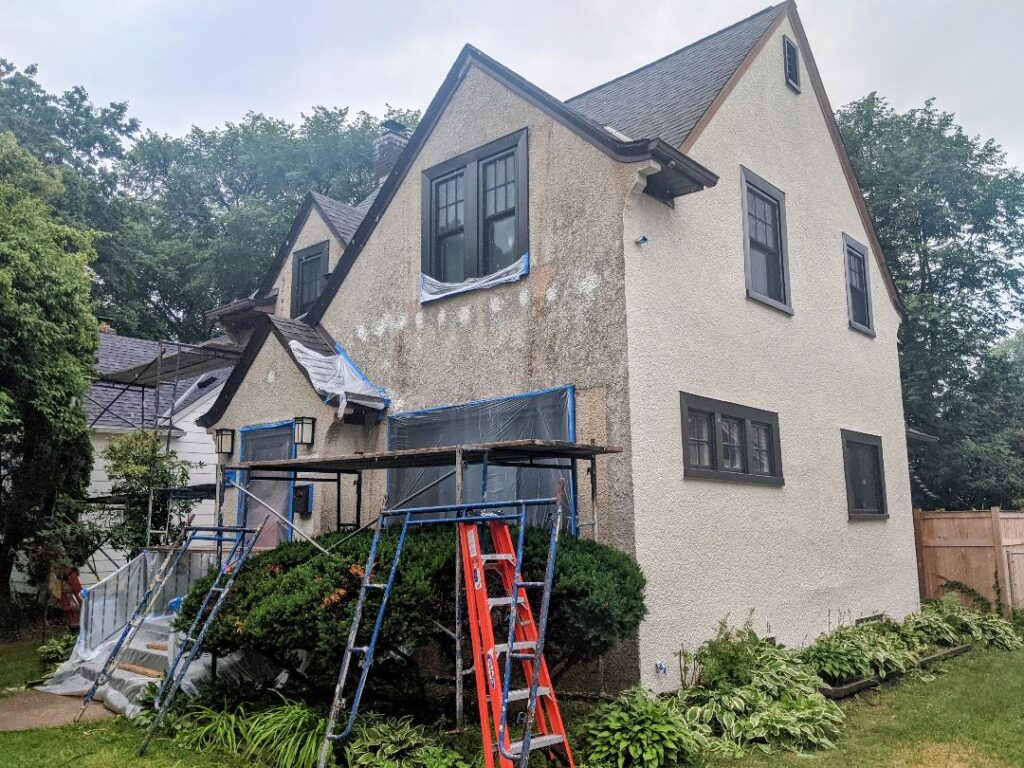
<point x="225" y="441"/>
<point x="303" y="429"/>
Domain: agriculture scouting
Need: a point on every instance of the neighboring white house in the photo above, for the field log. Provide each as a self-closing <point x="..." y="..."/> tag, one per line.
<point x="679" y="262"/>
<point x="113" y="409"/>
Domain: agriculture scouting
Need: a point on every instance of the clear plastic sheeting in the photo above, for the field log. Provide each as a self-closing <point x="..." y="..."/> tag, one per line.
<point x="544" y="415"/>
<point x="335" y="375"/>
<point x="123" y="692"/>
<point x="432" y="289"/>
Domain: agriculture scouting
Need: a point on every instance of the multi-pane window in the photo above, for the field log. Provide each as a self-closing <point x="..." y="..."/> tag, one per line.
<point x="450" y="202"/>
<point x="478" y="220"/>
<point x="499" y="179"/>
<point x="791" y="63"/>
<point x="309" y="275"/>
<point x="725" y="441"/>
<point x="858" y="286"/>
<point x="865" y="474"/>
<point x="767" y="263"/>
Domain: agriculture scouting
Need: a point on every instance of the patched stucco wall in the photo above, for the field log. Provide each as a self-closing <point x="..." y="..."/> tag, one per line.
<point x="276" y="390"/>
<point x="563" y="324"/>
<point x="314" y="231"/>
<point x="711" y="548"/>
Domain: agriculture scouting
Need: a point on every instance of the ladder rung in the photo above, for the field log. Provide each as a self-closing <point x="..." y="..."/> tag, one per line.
<point x="530" y="584"/>
<point x="522" y="694"/>
<point x="537" y="742"/>
<point x="497" y="558"/>
<point x="376" y="586"/>
<point x="497" y="602"/>
<point x="522" y="645"/>
<point x="359" y="649"/>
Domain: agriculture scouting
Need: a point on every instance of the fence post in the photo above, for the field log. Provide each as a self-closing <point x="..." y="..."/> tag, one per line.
<point x="919" y="549"/>
<point x="1002" y="571"/>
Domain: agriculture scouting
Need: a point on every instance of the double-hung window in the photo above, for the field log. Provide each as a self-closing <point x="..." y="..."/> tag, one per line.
<point x="858" y="286"/>
<point x="865" y="475"/>
<point x="309" y="274"/>
<point x="764" y="242"/>
<point x="725" y="441"/>
<point x="791" y="63"/>
<point x="475" y="211"/>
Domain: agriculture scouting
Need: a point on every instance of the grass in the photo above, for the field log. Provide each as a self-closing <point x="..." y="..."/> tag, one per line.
<point x="969" y="716"/>
<point x="107" y="743"/>
<point x="19" y="663"/>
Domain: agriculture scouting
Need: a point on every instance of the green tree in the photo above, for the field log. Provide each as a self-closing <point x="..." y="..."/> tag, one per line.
<point x="949" y="213"/>
<point x="47" y="347"/>
<point x="137" y="464"/>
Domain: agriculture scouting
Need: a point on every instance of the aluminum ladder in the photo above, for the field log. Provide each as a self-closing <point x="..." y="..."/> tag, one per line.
<point x="522" y="646"/>
<point x="145" y="607"/>
<point x="241" y="541"/>
<point x="472" y="515"/>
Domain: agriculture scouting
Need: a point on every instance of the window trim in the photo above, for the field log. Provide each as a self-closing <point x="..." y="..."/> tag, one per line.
<point x="750" y="179"/>
<point x="718" y="409"/>
<point x="321" y="249"/>
<point x="787" y="43"/>
<point x="863" y="438"/>
<point x="470" y="163"/>
<point x="849" y="244"/>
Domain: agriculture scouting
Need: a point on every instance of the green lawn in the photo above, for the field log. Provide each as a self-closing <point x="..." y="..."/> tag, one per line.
<point x="105" y="744"/>
<point x="970" y="716"/>
<point x="19" y="663"/>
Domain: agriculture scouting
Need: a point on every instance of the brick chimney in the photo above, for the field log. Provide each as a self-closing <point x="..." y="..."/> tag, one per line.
<point x="388" y="146"/>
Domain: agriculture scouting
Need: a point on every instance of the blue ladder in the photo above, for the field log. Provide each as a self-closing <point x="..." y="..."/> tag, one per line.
<point x="242" y="542"/>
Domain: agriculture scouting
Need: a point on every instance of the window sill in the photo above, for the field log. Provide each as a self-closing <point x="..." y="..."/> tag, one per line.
<point x="856" y="516"/>
<point x="792" y="86"/>
<point x="866" y="330"/>
<point x="696" y="473"/>
<point x="760" y="298"/>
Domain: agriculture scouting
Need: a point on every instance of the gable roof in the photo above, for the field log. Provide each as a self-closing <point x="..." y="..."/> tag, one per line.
<point x="679" y="174"/>
<point x="667" y="97"/>
<point x="284" y="330"/>
<point x="341" y="218"/>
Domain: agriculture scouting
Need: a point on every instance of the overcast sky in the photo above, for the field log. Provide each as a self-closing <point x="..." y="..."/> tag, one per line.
<point x="202" y="62"/>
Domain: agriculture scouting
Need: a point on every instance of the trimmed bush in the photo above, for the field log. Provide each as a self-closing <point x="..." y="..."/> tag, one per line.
<point x="296" y="608"/>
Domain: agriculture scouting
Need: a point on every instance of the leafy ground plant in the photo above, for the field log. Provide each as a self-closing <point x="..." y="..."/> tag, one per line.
<point x="397" y="743"/>
<point x="640" y="731"/>
<point x="56" y="651"/>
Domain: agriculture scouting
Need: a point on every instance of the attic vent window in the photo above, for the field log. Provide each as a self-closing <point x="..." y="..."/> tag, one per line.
<point x="791" y="62"/>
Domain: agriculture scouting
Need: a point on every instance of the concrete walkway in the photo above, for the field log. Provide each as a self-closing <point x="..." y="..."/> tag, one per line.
<point x="33" y="709"/>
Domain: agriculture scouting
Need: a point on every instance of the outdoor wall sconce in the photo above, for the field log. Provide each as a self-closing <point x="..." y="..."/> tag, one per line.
<point x="303" y="429"/>
<point x="225" y="441"/>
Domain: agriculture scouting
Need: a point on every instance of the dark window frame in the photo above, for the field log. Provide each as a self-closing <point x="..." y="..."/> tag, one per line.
<point x="720" y="409"/>
<point x="792" y="77"/>
<point x="749" y="179"/>
<point x="862" y="438"/>
<point x="471" y="164"/>
<point x="849" y="244"/>
<point x="321" y="250"/>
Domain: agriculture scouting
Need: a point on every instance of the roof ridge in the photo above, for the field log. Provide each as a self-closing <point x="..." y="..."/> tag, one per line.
<point x="669" y="55"/>
<point x="328" y="198"/>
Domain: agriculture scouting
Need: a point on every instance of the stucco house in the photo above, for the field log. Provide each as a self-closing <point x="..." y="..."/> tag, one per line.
<point x="679" y="262"/>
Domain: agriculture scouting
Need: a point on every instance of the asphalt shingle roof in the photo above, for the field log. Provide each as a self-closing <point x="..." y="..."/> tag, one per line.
<point x="308" y="336"/>
<point x="135" y="408"/>
<point x="666" y="98"/>
<point x="343" y="217"/>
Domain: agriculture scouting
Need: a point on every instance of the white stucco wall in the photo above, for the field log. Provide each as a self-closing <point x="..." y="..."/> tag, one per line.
<point x="711" y="548"/>
<point x="314" y="231"/>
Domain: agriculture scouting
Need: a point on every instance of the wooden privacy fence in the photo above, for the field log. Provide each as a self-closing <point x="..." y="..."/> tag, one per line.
<point x="983" y="549"/>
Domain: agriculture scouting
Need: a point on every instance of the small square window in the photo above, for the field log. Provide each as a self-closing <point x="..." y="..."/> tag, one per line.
<point x="865" y="475"/>
<point x="725" y="441"/>
<point x="791" y="63"/>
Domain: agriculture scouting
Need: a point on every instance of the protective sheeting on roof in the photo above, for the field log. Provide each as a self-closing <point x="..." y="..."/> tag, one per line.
<point x="336" y="376"/>
<point x="431" y="289"/>
<point x="666" y="99"/>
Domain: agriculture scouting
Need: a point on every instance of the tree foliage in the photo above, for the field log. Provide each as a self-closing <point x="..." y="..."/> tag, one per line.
<point x="47" y="343"/>
<point x="949" y="213"/>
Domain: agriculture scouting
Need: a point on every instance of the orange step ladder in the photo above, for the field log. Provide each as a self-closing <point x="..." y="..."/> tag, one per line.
<point x="519" y="647"/>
